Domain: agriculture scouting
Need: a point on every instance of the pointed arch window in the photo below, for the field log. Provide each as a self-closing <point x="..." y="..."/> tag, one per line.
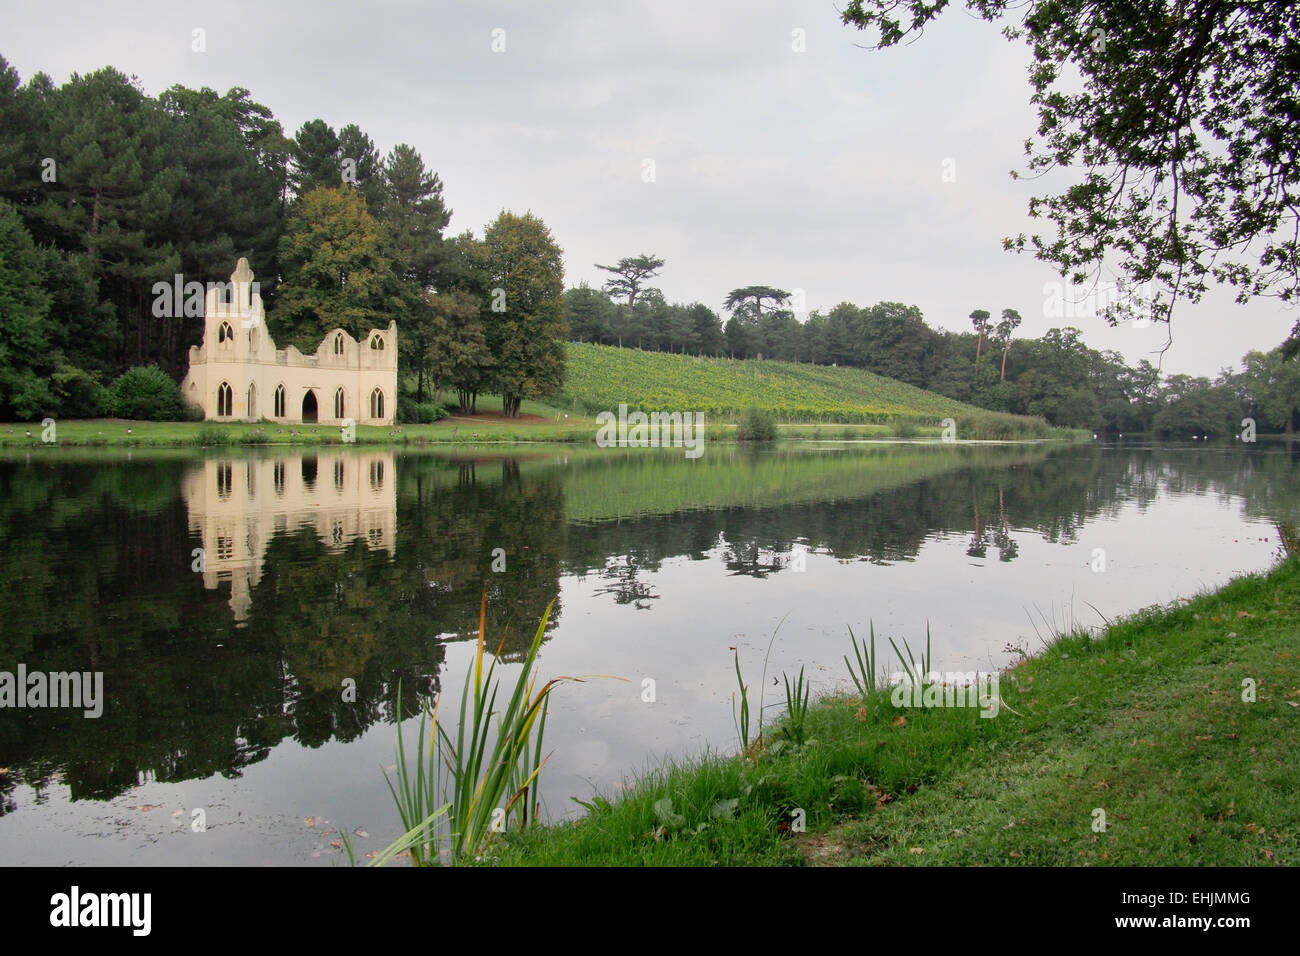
<point x="338" y="343"/>
<point x="377" y="404"/>
<point x="225" y="400"/>
<point x="338" y="403"/>
<point x="376" y="342"/>
<point x="252" y="400"/>
<point x="225" y="334"/>
<point x="279" y="401"/>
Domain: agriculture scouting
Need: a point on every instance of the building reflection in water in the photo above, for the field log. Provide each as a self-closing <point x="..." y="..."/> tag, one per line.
<point x="237" y="504"/>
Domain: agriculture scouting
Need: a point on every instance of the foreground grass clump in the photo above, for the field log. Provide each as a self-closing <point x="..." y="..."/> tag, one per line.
<point x="459" y="794"/>
<point x="1178" y="727"/>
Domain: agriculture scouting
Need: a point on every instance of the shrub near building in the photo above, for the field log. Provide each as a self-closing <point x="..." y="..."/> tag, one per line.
<point x="146" y="393"/>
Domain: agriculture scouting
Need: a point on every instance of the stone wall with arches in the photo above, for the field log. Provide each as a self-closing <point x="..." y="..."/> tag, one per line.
<point x="239" y="374"/>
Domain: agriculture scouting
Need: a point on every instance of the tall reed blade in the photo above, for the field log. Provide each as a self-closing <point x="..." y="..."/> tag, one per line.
<point x="741" y="720"/>
<point x="796" y="706"/>
<point x="864" y="676"/>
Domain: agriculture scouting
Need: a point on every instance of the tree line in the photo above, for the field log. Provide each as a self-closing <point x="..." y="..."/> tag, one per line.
<point x="1056" y="376"/>
<point x="106" y="192"/>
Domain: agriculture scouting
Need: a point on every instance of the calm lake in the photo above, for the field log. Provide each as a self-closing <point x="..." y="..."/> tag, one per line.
<point x="226" y="669"/>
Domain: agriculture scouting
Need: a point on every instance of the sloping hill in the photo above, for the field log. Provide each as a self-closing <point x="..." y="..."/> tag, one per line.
<point x="602" y="376"/>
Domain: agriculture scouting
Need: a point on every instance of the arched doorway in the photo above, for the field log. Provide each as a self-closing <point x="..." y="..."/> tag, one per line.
<point x="309" y="406"/>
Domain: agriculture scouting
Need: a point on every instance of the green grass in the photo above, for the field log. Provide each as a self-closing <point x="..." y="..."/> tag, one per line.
<point x="601" y="377"/>
<point x="112" y="432"/>
<point x="1145" y="722"/>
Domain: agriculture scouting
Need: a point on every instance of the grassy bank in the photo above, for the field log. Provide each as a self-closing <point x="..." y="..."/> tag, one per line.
<point x="1144" y="722"/>
<point x="115" y="432"/>
<point x="600" y="377"/>
<point x="112" y="432"/>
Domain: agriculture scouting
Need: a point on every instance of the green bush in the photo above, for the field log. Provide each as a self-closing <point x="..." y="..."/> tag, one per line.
<point x="756" y="424"/>
<point x="406" y="409"/>
<point x="79" y="393"/>
<point x="145" y="393"/>
<point x="905" y="430"/>
<point x="429" y="412"/>
<point x="213" y="435"/>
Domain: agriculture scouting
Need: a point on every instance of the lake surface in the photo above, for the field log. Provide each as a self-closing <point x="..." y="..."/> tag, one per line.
<point x="224" y="680"/>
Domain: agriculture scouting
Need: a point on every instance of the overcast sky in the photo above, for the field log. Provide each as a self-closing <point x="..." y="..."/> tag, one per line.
<point x="821" y="170"/>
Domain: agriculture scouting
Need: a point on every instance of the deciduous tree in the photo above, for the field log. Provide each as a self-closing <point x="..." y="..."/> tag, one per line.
<point x="1177" y="126"/>
<point x="526" y="335"/>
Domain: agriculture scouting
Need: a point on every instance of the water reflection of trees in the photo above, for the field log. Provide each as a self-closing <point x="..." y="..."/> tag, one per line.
<point x="99" y="578"/>
<point x="991" y="506"/>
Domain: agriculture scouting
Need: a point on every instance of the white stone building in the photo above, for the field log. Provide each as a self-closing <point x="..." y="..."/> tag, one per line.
<point x="238" y="373"/>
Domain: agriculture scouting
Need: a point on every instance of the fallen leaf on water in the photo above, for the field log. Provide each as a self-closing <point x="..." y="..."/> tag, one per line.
<point x="372" y="854"/>
<point x="336" y="843"/>
<point x="361" y="833"/>
<point x="146" y="807"/>
<point x="313" y="821"/>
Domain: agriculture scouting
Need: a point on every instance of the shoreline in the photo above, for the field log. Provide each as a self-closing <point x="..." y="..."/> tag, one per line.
<point x="124" y="433"/>
<point x="1165" y="739"/>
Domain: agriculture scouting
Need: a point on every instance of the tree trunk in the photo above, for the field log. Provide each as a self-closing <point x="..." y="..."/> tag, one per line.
<point x="979" y="346"/>
<point x="1004" y="360"/>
